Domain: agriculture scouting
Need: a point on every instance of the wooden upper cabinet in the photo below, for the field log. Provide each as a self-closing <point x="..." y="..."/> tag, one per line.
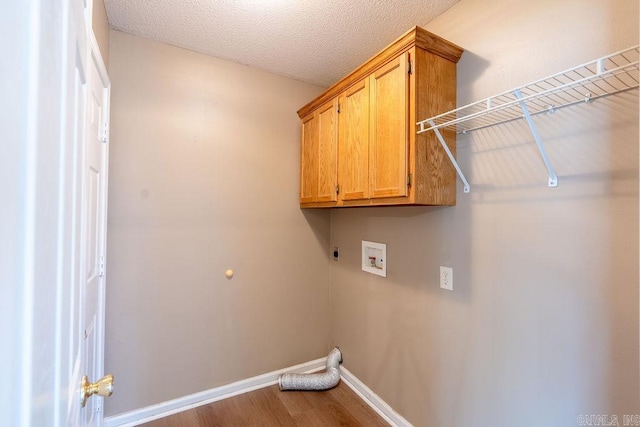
<point x="328" y="152"/>
<point x="318" y="155"/>
<point x="353" y="142"/>
<point x="359" y="145"/>
<point x="309" y="159"/>
<point x="389" y="135"/>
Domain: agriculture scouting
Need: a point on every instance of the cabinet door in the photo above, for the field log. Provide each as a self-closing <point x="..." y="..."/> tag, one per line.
<point x="389" y="129"/>
<point x="353" y="142"/>
<point x="309" y="159"/>
<point x="327" y="151"/>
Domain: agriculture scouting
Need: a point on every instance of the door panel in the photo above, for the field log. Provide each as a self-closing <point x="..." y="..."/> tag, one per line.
<point x="309" y="159"/>
<point x="327" y="152"/>
<point x="78" y="112"/>
<point x="389" y="129"/>
<point x="93" y="195"/>
<point x="92" y="239"/>
<point x="353" y="142"/>
<point x="52" y="257"/>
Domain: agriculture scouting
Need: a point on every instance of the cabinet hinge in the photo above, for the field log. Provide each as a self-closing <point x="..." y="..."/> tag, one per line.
<point x="338" y="108"/>
<point x="409" y="180"/>
<point x="104" y="133"/>
<point x="101" y="266"/>
<point x="338" y="189"/>
<point x="410" y="67"/>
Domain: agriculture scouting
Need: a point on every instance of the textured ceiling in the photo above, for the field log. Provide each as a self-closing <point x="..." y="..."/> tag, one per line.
<point x="316" y="41"/>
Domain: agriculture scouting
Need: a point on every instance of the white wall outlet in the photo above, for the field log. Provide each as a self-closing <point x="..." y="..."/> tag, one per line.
<point x="446" y="278"/>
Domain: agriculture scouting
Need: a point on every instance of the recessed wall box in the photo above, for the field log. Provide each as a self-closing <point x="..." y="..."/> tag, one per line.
<point x="374" y="258"/>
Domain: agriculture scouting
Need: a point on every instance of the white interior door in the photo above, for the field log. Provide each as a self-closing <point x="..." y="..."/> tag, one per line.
<point x="76" y="111"/>
<point x="92" y="91"/>
<point x="53" y="180"/>
<point x="93" y="236"/>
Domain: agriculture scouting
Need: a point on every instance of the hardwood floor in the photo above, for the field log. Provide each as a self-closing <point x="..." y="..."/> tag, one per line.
<point x="269" y="406"/>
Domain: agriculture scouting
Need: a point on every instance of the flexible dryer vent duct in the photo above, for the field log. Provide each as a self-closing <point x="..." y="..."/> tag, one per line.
<point x="323" y="381"/>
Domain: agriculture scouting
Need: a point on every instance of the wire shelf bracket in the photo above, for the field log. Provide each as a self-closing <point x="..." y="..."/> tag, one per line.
<point x="611" y="74"/>
<point x="451" y="158"/>
<point x="553" y="177"/>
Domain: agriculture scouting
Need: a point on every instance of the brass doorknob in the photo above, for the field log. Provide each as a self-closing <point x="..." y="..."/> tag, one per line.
<point x="103" y="387"/>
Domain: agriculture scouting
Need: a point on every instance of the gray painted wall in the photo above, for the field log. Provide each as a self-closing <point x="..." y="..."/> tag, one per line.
<point x="542" y="325"/>
<point x="204" y="178"/>
<point x="100" y="25"/>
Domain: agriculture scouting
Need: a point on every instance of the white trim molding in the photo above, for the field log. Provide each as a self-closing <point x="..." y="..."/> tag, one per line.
<point x="373" y="400"/>
<point x="161" y="410"/>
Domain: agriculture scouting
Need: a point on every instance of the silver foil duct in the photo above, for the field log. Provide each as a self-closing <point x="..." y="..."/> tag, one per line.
<point x="321" y="381"/>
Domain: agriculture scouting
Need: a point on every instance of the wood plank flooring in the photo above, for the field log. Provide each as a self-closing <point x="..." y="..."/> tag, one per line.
<point x="269" y="406"/>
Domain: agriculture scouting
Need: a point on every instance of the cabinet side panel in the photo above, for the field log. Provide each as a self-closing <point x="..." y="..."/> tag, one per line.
<point x="327" y="152"/>
<point x="389" y="105"/>
<point x="353" y="143"/>
<point x="435" y="94"/>
<point x="309" y="159"/>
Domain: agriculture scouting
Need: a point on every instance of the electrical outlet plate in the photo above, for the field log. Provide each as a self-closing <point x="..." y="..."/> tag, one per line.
<point x="446" y="278"/>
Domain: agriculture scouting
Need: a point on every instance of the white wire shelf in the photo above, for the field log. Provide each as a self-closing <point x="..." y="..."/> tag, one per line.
<point x="611" y="74"/>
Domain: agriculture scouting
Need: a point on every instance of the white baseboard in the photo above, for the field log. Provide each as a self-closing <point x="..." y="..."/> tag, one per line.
<point x="161" y="410"/>
<point x="373" y="400"/>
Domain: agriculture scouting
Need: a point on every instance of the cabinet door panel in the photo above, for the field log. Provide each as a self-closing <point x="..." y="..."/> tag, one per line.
<point x="327" y="152"/>
<point x="309" y="159"/>
<point x="389" y="129"/>
<point x="353" y="142"/>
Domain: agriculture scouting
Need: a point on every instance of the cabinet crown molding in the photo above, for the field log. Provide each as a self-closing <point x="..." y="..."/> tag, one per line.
<point x="416" y="36"/>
